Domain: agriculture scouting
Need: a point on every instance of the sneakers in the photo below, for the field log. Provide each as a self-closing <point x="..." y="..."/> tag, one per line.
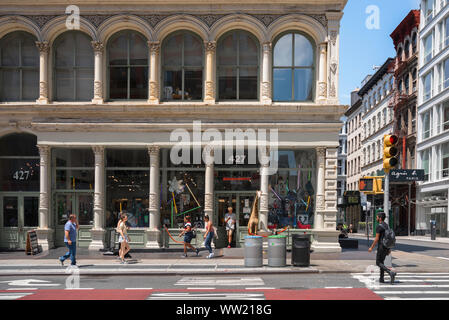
<point x="229" y="246"/>
<point x="61" y="261"/>
<point x="123" y="262"/>
<point x="392" y="277"/>
<point x="210" y="256"/>
<point x="184" y="255"/>
<point x="197" y="251"/>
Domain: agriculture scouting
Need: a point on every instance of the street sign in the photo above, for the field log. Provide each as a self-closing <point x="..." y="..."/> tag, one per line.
<point x="403" y="175"/>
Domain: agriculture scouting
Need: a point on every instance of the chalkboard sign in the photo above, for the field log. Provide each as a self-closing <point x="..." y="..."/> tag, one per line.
<point x="32" y="246"/>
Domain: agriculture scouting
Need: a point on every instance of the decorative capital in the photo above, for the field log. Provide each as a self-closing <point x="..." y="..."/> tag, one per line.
<point x="153" y="150"/>
<point x="154" y="46"/>
<point x="97" y="46"/>
<point x="98" y="150"/>
<point x="321" y="152"/>
<point x="211" y="46"/>
<point x="43" y="46"/>
<point x="266" y="46"/>
<point x="44" y="150"/>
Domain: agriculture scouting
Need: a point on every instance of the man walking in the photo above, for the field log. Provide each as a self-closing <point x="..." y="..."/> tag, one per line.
<point x="382" y="252"/>
<point x="70" y="230"/>
<point x="230" y="220"/>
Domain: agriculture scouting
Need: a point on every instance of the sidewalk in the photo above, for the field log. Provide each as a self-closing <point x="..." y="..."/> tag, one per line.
<point x="159" y="262"/>
<point x="411" y="238"/>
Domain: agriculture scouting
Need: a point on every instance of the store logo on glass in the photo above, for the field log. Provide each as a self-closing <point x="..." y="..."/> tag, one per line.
<point x="244" y="147"/>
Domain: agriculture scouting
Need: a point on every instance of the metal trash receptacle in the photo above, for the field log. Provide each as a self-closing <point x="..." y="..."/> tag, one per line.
<point x="300" y="250"/>
<point x="253" y="251"/>
<point x="433" y="230"/>
<point x="277" y="251"/>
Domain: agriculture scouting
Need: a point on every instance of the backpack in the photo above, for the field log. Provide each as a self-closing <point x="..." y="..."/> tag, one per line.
<point x="389" y="239"/>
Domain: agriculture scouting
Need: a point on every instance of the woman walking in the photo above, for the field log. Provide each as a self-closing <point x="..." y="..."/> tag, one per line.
<point x="188" y="236"/>
<point x="123" y="239"/>
<point x="209" y="236"/>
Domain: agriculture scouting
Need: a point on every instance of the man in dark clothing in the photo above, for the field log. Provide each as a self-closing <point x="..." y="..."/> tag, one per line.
<point x="382" y="252"/>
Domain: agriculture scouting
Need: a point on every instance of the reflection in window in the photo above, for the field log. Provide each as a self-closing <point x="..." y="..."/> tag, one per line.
<point x="238" y="60"/>
<point x="19" y="67"/>
<point x="182" y="67"/>
<point x="293" y="68"/>
<point x="74" y="67"/>
<point x="292" y="190"/>
<point x="128" y="66"/>
<point x="19" y="163"/>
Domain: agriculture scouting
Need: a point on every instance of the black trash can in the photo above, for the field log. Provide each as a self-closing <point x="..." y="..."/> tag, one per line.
<point x="301" y="250"/>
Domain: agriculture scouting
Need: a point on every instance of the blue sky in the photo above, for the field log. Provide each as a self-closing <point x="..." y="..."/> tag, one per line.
<point x="362" y="48"/>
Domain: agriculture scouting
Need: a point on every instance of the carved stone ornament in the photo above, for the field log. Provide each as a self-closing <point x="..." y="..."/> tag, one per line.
<point x="153" y="151"/>
<point x="210" y="90"/>
<point x="154" y="205"/>
<point x="266" y="90"/>
<point x="210" y="19"/>
<point x="323" y="89"/>
<point x="208" y="201"/>
<point x="98" y="150"/>
<point x="264" y="201"/>
<point x="333" y="35"/>
<point x="98" y="89"/>
<point x="266" y="46"/>
<point x="43" y="46"/>
<point x="98" y="46"/>
<point x="97" y="19"/>
<point x="43" y="89"/>
<point x="333" y="91"/>
<point x="320" y="204"/>
<point x="211" y="46"/>
<point x="333" y="67"/>
<point x="43" y="201"/>
<point x="154" y="19"/>
<point x="41" y="20"/>
<point x="155" y="47"/>
<point x="44" y="150"/>
<point x="154" y="92"/>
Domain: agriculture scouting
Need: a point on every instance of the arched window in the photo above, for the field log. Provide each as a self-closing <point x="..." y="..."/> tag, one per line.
<point x="19" y="67"/>
<point x="414" y="43"/>
<point x="293" y="68"/>
<point x="128" y="66"/>
<point x="407" y="49"/>
<point x="400" y="54"/>
<point x="182" y="67"/>
<point x="73" y="67"/>
<point x="238" y="66"/>
<point x="407" y="84"/>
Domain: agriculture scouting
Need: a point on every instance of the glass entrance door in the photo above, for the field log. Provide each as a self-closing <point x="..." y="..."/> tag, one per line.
<point x="241" y="204"/>
<point x="80" y="204"/>
<point x="19" y="214"/>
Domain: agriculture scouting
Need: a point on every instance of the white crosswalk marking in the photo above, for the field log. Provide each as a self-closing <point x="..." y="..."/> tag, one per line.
<point x="206" y="296"/>
<point x="217" y="281"/>
<point x="409" y="286"/>
<point x="13" y="295"/>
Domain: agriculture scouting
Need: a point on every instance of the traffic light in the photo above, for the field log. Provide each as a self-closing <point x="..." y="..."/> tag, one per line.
<point x="366" y="185"/>
<point x="390" y="152"/>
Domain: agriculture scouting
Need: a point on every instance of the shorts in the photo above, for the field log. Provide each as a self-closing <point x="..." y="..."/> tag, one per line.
<point x="188" y="237"/>
<point x="229" y="229"/>
<point x="120" y="239"/>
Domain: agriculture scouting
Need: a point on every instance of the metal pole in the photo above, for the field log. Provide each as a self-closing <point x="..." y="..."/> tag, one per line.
<point x="387" y="196"/>
<point x="409" y="206"/>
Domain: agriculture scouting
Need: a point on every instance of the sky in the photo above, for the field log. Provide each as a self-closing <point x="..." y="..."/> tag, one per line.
<point x="361" y="47"/>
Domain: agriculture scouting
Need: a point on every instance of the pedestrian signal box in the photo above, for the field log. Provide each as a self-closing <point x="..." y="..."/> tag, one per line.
<point x="371" y="185"/>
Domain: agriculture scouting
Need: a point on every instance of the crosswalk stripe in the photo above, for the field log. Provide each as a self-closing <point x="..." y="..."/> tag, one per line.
<point x="220" y="282"/>
<point x="205" y="296"/>
<point x="405" y="273"/>
<point x="414" y="286"/>
<point x="443" y="258"/>
<point x="399" y="298"/>
<point x="13" y="295"/>
<point x="412" y="292"/>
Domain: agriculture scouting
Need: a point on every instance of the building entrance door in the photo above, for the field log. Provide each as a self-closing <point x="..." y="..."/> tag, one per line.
<point x="19" y="213"/>
<point x="241" y="204"/>
<point x="80" y="204"/>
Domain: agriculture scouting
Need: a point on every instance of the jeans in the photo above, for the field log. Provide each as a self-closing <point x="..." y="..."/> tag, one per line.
<point x="208" y="241"/>
<point x="380" y="259"/>
<point x="71" y="253"/>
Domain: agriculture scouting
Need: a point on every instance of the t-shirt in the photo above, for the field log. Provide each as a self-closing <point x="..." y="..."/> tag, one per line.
<point x="187" y="225"/>
<point x="231" y="222"/>
<point x="71" y="228"/>
<point x="123" y="228"/>
<point x="381" y="230"/>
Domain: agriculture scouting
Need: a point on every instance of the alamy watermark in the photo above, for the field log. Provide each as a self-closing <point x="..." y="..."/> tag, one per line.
<point x="73" y="280"/>
<point x="372" y="22"/>
<point x="73" y="20"/>
<point x="261" y="146"/>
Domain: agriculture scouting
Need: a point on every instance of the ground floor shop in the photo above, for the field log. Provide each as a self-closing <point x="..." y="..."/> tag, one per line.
<point x="41" y="184"/>
<point x="432" y="206"/>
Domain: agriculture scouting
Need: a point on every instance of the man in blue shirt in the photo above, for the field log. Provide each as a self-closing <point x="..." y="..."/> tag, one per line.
<point x="70" y="230"/>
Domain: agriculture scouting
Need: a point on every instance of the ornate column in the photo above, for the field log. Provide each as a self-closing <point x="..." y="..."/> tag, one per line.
<point x="263" y="209"/>
<point x="98" y="81"/>
<point x="153" y="93"/>
<point x="98" y="231"/>
<point x="319" y="210"/>
<point x="44" y="233"/>
<point x="266" y="74"/>
<point x="322" y="83"/>
<point x="333" y="54"/>
<point x="43" y="48"/>
<point x="154" y="232"/>
<point x="209" y="183"/>
<point x="210" y="67"/>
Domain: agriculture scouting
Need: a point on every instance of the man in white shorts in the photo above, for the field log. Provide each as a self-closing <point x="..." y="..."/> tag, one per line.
<point x="230" y="219"/>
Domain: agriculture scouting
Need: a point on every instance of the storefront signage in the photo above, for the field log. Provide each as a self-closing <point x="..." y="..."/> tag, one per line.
<point x="402" y="175"/>
<point x="21" y="175"/>
<point x="352" y="198"/>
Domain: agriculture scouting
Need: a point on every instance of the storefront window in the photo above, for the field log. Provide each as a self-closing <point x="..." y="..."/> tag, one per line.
<point x="73" y="184"/>
<point x="292" y="190"/>
<point x="127" y="186"/>
<point x="19" y="163"/>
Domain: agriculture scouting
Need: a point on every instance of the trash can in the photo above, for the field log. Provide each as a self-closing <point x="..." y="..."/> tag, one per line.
<point x="253" y="251"/>
<point x="277" y="251"/>
<point x="433" y="230"/>
<point x="300" y="250"/>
